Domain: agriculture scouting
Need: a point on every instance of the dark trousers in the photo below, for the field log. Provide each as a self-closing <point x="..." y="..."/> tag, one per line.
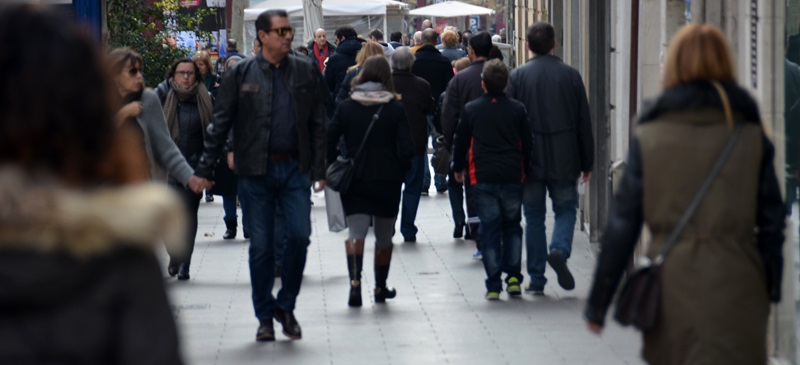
<point x="191" y="204"/>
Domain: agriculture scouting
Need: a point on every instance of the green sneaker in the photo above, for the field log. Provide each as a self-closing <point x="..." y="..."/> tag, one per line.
<point x="513" y="287"/>
<point x="492" y="295"/>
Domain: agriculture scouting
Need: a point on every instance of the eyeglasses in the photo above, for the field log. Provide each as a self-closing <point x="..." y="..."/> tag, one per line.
<point x="283" y="31"/>
<point x="185" y="74"/>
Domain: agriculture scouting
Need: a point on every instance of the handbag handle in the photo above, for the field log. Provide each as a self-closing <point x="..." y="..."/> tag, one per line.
<point x="698" y="197"/>
<point x="369" y="129"/>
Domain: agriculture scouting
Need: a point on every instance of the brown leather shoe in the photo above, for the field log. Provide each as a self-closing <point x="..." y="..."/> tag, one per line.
<point x="290" y="326"/>
<point x="265" y="331"/>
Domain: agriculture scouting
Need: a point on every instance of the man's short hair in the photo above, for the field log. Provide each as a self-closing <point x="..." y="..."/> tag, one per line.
<point x="402" y="59"/>
<point x="429" y="37"/>
<point x="494" y="76"/>
<point x="377" y="34"/>
<point x="346" y="32"/>
<point x="396" y="37"/>
<point x="264" y="20"/>
<point x="418" y="36"/>
<point x="541" y="38"/>
<point x="231" y="44"/>
<point x="481" y="44"/>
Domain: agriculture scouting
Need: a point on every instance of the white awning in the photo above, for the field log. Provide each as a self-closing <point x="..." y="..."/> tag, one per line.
<point x="329" y="7"/>
<point x="451" y="9"/>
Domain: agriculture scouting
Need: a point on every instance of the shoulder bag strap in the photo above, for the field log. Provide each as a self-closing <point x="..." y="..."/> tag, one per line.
<point x="698" y="198"/>
<point x="366" y="135"/>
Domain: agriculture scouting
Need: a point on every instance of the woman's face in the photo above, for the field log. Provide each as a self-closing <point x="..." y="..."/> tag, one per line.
<point x="184" y="75"/>
<point x="202" y="67"/>
<point x="130" y="79"/>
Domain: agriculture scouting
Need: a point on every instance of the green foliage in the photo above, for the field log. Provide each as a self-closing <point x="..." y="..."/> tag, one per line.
<point x="149" y="28"/>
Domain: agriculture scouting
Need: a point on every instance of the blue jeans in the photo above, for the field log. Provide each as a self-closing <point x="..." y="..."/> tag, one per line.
<point x="564" y="195"/>
<point x="286" y="187"/>
<point x="411" y="196"/>
<point x="229" y="206"/>
<point x="499" y="208"/>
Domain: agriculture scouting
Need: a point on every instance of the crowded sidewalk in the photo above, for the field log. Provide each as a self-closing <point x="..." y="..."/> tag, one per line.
<point x="440" y="315"/>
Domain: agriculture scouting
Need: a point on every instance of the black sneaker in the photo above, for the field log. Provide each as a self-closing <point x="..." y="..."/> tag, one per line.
<point x="559" y="264"/>
<point x="534" y="290"/>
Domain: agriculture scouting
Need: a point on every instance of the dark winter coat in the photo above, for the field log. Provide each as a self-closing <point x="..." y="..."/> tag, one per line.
<point x="726" y="267"/>
<point x="558" y="110"/>
<point x="381" y="168"/>
<point x="494" y="142"/>
<point x="338" y="64"/>
<point x="414" y="92"/>
<point x="80" y="282"/>
<point x="244" y="105"/>
<point x="434" y="68"/>
<point x="465" y="87"/>
<point x="310" y="47"/>
<point x="344" y="89"/>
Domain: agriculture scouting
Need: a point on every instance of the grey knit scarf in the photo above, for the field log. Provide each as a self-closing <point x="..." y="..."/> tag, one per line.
<point x="177" y="93"/>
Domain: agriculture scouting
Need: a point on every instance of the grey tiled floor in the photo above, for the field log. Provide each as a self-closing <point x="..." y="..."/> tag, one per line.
<point x="438" y="317"/>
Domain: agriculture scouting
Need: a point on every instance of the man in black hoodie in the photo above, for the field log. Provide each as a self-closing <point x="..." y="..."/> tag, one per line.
<point x="493" y="145"/>
<point x="347" y="46"/>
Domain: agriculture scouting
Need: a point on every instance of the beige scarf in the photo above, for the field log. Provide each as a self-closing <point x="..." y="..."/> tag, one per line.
<point x="176" y="93"/>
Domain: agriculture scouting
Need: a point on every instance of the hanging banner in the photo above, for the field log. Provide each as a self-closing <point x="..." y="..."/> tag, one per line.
<point x="474" y="23"/>
<point x="190" y="3"/>
<point x="215" y="3"/>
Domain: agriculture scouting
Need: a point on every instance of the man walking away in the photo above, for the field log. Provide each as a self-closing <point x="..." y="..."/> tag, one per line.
<point x="558" y="112"/>
<point x="416" y="99"/>
<point x="465" y="87"/>
<point x="232" y="50"/>
<point x="437" y="70"/>
<point x="348" y="46"/>
<point x="396" y="40"/>
<point x="273" y="104"/>
<point x="494" y="144"/>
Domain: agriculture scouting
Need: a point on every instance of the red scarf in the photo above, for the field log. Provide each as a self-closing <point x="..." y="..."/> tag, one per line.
<point x="320" y="58"/>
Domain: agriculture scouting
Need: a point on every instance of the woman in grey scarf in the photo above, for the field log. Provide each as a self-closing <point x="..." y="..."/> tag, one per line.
<point x="187" y="107"/>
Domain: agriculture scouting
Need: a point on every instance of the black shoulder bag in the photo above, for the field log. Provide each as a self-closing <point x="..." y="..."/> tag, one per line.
<point x="638" y="303"/>
<point x="340" y="173"/>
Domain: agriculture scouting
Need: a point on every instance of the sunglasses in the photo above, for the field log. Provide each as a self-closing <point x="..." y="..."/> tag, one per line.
<point x="283" y="31"/>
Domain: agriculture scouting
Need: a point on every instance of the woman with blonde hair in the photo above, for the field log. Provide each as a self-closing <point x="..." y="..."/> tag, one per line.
<point x="722" y="265"/>
<point x="210" y="79"/>
<point x="368" y="50"/>
<point x="450" y="46"/>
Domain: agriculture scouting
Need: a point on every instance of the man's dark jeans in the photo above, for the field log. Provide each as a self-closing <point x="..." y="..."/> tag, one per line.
<point x="564" y="195"/>
<point x="499" y="208"/>
<point x="286" y="187"/>
<point x="411" y="196"/>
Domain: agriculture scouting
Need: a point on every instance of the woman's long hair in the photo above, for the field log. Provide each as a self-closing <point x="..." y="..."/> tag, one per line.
<point x="698" y="52"/>
<point x="55" y="98"/>
<point x="368" y="50"/>
<point x="377" y="69"/>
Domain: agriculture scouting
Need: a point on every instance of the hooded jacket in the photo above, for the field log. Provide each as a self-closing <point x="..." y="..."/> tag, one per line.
<point x="80" y="283"/>
<point x="338" y="64"/>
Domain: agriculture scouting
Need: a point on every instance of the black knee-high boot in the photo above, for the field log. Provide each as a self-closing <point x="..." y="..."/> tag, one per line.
<point x="383" y="258"/>
<point x="355" y="262"/>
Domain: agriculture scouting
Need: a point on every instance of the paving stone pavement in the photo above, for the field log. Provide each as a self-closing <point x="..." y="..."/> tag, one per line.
<point x="438" y="317"/>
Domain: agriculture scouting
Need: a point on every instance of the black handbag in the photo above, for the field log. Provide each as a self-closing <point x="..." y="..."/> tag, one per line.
<point x="639" y="301"/>
<point x="441" y="157"/>
<point x="340" y="173"/>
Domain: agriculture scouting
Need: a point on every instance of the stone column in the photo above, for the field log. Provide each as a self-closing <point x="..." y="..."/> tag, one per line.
<point x="237" y="22"/>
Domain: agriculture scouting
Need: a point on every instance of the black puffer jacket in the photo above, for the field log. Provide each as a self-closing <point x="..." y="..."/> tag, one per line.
<point x="338" y="64"/>
<point x="244" y="105"/>
<point x="558" y="110"/>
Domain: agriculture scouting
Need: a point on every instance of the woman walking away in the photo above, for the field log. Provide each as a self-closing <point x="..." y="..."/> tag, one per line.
<point x="368" y="50"/>
<point x="187" y="107"/>
<point x="80" y="282"/>
<point x="380" y="169"/>
<point x="719" y="277"/>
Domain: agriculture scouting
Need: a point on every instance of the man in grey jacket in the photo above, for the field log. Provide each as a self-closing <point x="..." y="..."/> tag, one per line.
<point x="558" y="111"/>
<point x="273" y="104"/>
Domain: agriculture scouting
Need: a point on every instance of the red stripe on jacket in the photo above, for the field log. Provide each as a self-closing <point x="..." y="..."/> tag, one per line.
<point x="473" y="176"/>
